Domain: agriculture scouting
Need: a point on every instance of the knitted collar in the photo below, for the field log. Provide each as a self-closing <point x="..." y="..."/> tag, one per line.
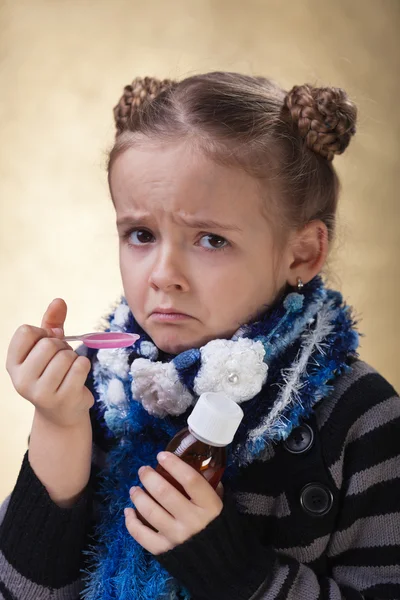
<point x="277" y="368"/>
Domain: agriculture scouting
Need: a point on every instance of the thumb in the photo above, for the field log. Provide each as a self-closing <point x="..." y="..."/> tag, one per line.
<point x="54" y="318"/>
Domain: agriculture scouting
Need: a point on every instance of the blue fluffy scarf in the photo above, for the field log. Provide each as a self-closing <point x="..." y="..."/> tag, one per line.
<point x="277" y="368"/>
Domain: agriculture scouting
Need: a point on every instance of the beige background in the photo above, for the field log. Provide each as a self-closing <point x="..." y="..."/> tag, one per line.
<point x="63" y="66"/>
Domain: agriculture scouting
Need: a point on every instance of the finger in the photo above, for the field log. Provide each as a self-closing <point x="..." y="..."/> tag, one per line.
<point x="154" y="514"/>
<point x="165" y="494"/>
<point x="22" y="342"/>
<point x="196" y="486"/>
<point x="150" y="540"/>
<point x="75" y="378"/>
<point x="56" y="370"/>
<point x="55" y="316"/>
<point x="40" y="356"/>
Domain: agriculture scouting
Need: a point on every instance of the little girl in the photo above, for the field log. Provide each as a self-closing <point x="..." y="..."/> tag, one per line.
<point x="225" y="199"/>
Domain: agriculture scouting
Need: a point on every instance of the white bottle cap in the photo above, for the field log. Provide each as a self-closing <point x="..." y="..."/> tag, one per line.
<point x="215" y="419"/>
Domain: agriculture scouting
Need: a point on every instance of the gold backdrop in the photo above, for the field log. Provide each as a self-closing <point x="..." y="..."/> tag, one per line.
<point x="63" y="66"/>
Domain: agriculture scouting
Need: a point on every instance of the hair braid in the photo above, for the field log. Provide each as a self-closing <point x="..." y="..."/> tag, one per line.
<point x="135" y="95"/>
<point x="325" y="118"/>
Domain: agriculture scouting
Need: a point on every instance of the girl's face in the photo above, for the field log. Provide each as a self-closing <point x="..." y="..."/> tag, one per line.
<point x="193" y="239"/>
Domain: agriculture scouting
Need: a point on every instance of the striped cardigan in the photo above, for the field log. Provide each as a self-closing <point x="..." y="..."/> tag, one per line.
<point x="316" y="517"/>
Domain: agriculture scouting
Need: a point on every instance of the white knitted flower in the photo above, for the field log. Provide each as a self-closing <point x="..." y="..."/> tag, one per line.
<point x="156" y="385"/>
<point x="149" y="350"/>
<point x="121" y="315"/>
<point x="235" y="368"/>
<point x="115" y="360"/>
<point x="115" y="395"/>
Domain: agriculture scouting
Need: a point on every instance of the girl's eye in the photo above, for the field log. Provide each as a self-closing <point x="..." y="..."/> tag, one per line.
<point x="216" y="242"/>
<point x="138" y="237"/>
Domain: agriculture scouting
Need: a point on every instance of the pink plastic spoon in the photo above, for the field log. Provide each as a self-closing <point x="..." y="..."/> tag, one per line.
<point x="105" y="339"/>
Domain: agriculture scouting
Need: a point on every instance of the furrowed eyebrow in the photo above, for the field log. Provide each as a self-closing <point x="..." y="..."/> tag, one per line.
<point x="192" y="223"/>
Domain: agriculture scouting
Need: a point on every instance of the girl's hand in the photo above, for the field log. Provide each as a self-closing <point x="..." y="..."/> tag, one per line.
<point x="177" y="519"/>
<point x="47" y="372"/>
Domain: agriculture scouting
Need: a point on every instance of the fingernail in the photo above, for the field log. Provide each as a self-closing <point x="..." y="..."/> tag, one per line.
<point x="126" y="512"/>
<point x="132" y="490"/>
<point x="58" y="331"/>
<point x="141" y="470"/>
<point x="161" y="456"/>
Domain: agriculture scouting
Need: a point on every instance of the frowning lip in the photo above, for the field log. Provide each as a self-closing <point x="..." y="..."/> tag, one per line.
<point x="167" y="311"/>
<point x="168" y="314"/>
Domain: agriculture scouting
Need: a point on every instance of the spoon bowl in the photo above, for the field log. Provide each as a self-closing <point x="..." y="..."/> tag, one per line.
<point x="105" y="339"/>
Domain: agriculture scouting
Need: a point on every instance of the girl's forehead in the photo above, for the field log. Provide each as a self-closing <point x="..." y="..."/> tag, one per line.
<point x="175" y="177"/>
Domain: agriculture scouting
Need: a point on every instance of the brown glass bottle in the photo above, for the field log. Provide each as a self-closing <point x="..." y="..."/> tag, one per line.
<point x="208" y="460"/>
<point x="203" y="444"/>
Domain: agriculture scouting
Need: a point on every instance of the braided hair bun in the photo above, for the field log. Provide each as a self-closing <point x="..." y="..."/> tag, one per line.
<point x="135" y="95"/>
<point x="325" y="118"/>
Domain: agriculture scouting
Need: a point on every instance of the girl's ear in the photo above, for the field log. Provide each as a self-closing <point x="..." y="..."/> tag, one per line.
<point x="309" y="250"/>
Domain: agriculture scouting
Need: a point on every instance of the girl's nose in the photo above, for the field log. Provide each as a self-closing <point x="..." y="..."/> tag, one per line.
<point x="167" y="273"/>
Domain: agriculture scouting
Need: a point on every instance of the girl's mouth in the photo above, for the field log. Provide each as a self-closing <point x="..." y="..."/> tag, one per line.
<point x="168" y="317"/>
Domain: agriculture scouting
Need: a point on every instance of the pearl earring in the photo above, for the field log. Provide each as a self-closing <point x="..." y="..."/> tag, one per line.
<point x="300" y="284"/>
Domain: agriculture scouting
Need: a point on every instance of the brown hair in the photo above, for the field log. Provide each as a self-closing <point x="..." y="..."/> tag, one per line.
<point x="287" y="139"/>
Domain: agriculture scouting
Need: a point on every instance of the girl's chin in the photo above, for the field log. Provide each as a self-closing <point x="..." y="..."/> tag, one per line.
<point x="174" y="347"/>
<point x="179" y="340"/>
<point x="175" y="343"/>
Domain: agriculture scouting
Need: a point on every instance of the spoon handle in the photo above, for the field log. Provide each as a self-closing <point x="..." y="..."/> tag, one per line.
<point x="70" y="338"/>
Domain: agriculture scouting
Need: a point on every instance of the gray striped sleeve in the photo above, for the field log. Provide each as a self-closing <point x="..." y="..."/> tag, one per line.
<point x="23" y="589"/>
<point x="343" y="383"/>
<point x="307" y="554"/>
<point x="375" y="417"/>
<point x="305" y="586"/>
<point x="3" y="508"/>
<point x="369" y="532"/>
<point x="258" y="504"/>
<point x="336" y="470"/>
<point x="364" y="578"/>
<point x="271" y="591"/>
<point x="384" y="471"/>
<point x="369" y="543"/>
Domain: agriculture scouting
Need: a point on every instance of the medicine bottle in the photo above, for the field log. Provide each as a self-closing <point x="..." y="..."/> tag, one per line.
<point x="212" y="425"/>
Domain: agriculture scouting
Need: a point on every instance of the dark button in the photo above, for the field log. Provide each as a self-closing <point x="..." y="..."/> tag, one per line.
<point x="300" y="440"/>
<point x="316" y="499"/>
